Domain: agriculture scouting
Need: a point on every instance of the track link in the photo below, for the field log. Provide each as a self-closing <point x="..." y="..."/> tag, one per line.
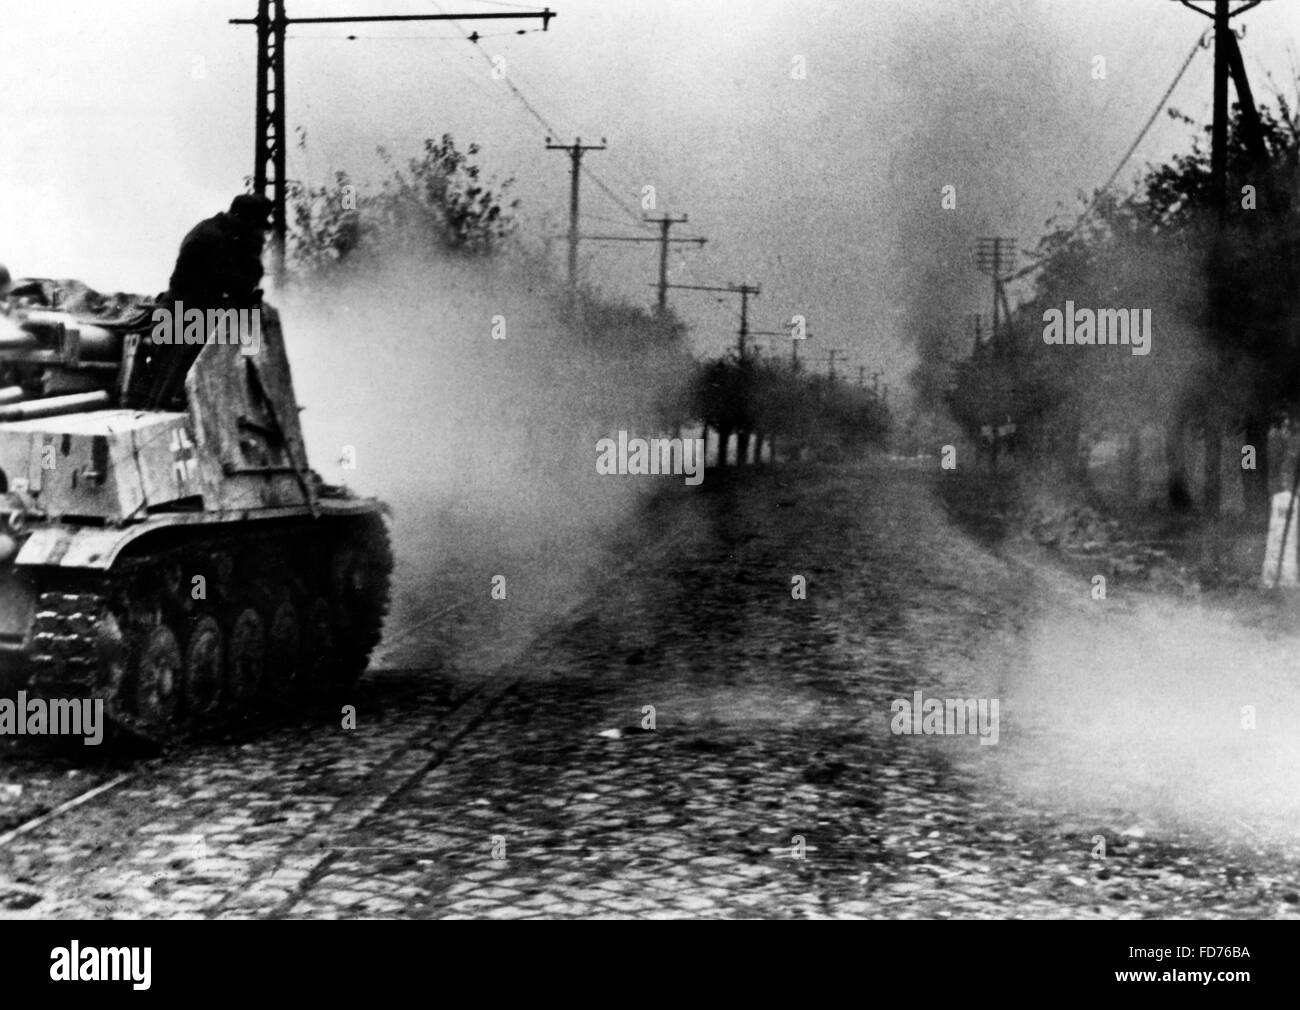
<point x="195" y="631"/>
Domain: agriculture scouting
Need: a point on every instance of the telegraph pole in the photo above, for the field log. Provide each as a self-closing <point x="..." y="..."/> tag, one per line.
<point x="794" y="343"/>
<point x="1228" y="62"/>
<point x="664" y="224"/>
<point x="1219" y="137"/>
<point x="875" y="380"/>
<point x="830" y="360"/>
<point x="997" y="258"/>
<point x="269" y="150"/>
<point x="744" y="290"/>
<point x="268" y="163"/>
<point x="977" y="321"/>
<point x="576" y="150"/>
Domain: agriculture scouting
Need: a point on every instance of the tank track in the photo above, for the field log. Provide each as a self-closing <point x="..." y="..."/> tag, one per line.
<point x="206" y="627"/>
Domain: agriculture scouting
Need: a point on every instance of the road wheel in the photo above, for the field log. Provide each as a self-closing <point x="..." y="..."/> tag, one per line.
<point x="158" y="680"/>
<point x="204" y="658"/>
<point x="245" y="656"/>
<point x="282" y="647"/>
<point x="359" y="585"/>
<point x="113" y="654"/>
<point x="320" y="658"/>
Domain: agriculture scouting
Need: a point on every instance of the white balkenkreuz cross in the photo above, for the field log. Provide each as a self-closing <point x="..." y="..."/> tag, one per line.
<point x="183" y="462"/>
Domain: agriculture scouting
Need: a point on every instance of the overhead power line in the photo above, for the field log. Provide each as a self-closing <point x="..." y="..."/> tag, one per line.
<point x="272" y="24"/>
<point x="552" y="130"/>
<point x="1092" y="204"/>
<point x="1151" y="119"/>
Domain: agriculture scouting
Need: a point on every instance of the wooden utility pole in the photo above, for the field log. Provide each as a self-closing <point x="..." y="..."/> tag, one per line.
<point x="997" y="258"/>
<point x="794" y="343"/>
<point x="1219" y="138"/>
<point x="831" y="354"/>
<point x="268" y="157"/>
<point x="875" y="380"/>
<point x="744" y="290"/>
<point x="1227" y="62"/>
<point x="1213" y="469"/>
<point x="977" y="321"/>
<point x="576" y="150"/>
<point x="664" y="224"/>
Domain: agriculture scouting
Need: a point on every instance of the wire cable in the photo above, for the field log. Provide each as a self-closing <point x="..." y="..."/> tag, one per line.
<point x="1160" y="106"/>
<point x="1097" y="196"/>
<point x="551" y="129"/>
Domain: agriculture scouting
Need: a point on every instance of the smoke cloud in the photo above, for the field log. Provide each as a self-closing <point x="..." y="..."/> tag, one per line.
<point x="484" y="447"/>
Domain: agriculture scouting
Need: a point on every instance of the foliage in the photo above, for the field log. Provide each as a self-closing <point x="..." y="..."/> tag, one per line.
<point x="1225" y="304"/>
<point x="438" y="203"/>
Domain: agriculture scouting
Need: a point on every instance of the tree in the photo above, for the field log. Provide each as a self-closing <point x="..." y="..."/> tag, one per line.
<point x="751" y="397"/>
<point x="1227" y="302"/>
<point x="438" y="203"/>
<point x="441" y="199"/>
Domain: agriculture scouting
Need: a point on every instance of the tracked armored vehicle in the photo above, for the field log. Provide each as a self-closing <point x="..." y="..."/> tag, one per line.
<point x="173" y="556"/>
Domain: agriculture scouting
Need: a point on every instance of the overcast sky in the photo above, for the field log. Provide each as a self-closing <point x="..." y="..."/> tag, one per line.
<point x="126" y="122"/>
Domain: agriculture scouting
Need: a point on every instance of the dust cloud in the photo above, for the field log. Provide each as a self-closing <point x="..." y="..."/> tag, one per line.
<point x="1170" y="714"/>
<point x="1131" y="712"/>
<point x="485" y="448"/>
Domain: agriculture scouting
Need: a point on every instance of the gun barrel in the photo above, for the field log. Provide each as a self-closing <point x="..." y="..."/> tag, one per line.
<point x="53" y="406"/>
<point x="14" y="339"/>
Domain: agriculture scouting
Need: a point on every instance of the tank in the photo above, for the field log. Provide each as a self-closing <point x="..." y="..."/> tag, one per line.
<point x="164" y="546"/>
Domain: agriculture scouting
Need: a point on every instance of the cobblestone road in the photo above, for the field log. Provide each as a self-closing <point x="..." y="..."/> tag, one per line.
<point x="771" y="784"/>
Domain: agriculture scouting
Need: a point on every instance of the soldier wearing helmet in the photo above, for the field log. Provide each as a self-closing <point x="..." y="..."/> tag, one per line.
<point x="219" y="266"/>
<point x="220" y="260"/>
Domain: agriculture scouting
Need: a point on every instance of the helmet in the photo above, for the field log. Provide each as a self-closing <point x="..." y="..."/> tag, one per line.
<point x="251" y="209"/>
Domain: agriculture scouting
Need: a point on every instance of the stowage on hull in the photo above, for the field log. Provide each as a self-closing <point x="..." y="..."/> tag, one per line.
<point x="183" y="565"/>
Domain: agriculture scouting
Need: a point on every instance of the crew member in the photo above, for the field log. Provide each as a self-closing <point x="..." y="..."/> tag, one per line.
<point x="220" y="260"/>
<point x="219" y="266"/>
